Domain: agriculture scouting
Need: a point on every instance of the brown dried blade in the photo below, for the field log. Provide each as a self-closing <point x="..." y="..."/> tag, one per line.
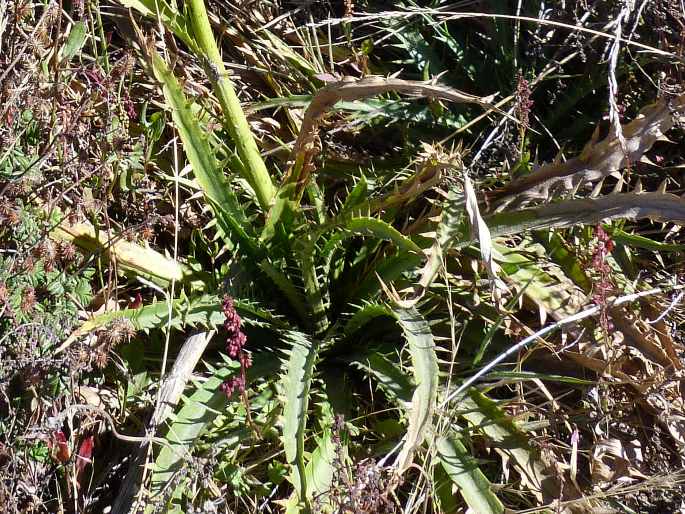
<point x="599" y="158"/>
<point x="349" y="89"/>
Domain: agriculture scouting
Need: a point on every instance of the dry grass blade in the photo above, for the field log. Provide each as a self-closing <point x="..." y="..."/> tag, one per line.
<point x="447" y="15"/>
<point x="352" y="89"/>
<point x="483" y="234"/>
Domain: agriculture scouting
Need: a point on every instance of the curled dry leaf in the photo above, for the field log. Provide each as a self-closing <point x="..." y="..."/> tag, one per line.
<point x="349" y="89"/>
<point x="613" y="460"/>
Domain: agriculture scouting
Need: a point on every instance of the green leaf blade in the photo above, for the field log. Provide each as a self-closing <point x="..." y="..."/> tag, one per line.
<point x="462" y="468"/>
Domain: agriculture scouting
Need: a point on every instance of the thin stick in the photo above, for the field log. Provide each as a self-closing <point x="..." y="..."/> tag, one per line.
<point x="447" y="16"/>
<point x="566" y="321"/>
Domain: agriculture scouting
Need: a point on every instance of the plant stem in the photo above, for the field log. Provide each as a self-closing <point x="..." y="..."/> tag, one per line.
<point x="254" y="170"/>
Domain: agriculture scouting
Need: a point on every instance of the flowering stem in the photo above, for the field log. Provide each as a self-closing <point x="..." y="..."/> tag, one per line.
<point x="248" y="416"/>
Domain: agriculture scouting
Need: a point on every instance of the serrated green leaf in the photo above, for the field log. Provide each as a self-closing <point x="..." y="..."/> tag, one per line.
<point x="425" y="368"/>
<point x="365" y="315"/>
<point x="296" y="384"/>
<point x="357" y="197"/>
<point x="366" y="226"/>
<point x="389" y="377"/>
<point x="205" y="311"/>
<point x="197" y="412"/>
<point x="281" y="280"/>
<point x="381" y="230"/>
<point x="638" y="241"/>
<point x="556" y="249"/>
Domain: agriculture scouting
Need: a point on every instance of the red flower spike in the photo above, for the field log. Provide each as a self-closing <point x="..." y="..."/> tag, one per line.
<point x="83" y="458"/>
<point x="59" y="446"/>
<point x="235" y="347"/>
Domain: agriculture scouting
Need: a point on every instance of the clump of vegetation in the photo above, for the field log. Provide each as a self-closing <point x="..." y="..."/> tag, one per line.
<point x="340" y="258"/>
<point x="42" y="287"/>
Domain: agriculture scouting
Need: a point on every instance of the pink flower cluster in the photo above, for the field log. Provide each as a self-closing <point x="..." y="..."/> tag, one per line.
<point x="235" y="346"/>
<point x="524" y="104"/>
<point x="602" y="288"/>
<point x="233" y="383"/>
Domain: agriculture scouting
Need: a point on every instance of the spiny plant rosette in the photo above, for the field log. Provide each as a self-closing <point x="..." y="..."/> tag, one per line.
<point x="235" y="346"/>
<point x="316" y="251"/>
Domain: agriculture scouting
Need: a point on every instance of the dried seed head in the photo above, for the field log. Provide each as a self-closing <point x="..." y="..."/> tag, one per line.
<point x="29" y="263"/>
<point x="80" y="357"/>
<point x="349" y="8"/>
<point x="8" y="215"/>
<point x="23" y="10"/>
<point x="120" y="330"/>
<point x="101" y="356"/>
<point x="12" y="217"/>
<point x="47" y="252"/>
<point x="146" y="233"/>
<point x="73" y="217"/>
<point x="124" y="66"/>
<point x="28" y="300"/>
<point x="52" y="15"/>
<point x="79" y="7"/>
<point x="67" y="252"/>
